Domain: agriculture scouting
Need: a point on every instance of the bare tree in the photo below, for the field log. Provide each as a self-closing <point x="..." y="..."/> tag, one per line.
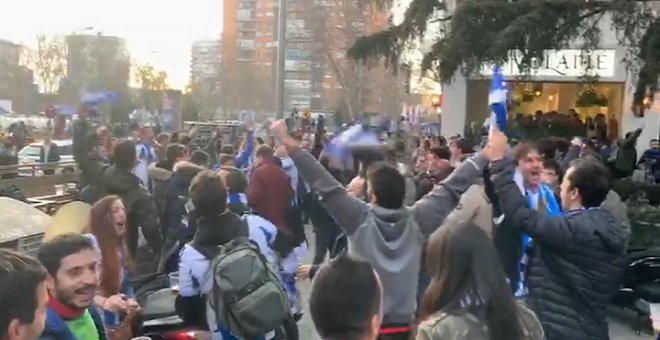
<point x="336" y="25"/>
<point x="49" y="61"/>
<point x="245" y="86"/>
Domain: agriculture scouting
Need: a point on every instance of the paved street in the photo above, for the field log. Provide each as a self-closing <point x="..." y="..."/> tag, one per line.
<point x="619" y="329"/>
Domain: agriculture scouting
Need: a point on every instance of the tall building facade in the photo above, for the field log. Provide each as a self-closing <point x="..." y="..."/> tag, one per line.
<point x="249" y="32"/>
<point x="318" y="74"/>
<point x="300" y="93"/>
<point x="205" y="60"/>
<point x="249" y="45"/>
<point x="205" y="75"/>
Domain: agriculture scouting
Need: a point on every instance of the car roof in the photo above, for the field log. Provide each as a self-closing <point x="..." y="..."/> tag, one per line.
<point x="59" y="142"/>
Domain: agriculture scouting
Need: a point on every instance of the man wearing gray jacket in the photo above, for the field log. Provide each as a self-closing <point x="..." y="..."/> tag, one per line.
<point x="384" y="232"/>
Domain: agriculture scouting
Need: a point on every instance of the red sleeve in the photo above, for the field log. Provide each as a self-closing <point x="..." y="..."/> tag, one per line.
<point x="254" y="189"/>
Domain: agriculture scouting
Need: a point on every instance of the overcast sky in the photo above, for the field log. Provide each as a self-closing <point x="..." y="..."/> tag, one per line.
<point x="157" y="31"/>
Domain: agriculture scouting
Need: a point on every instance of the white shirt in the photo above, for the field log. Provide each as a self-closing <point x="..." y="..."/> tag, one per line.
<point x="46" y="152"/>
<point x="141" y="169"/>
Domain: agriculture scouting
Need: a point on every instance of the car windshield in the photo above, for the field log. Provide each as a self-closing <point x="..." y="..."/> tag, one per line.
<point x="30" y="151"/>
<point x="65" y="150"/>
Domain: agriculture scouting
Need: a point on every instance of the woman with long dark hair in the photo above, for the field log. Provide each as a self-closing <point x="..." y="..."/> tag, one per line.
<point x="469" y="297"/>
<point x="108" y="227"/>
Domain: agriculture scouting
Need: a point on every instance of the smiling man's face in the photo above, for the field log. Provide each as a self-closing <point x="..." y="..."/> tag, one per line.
<point x="77" y="280"/>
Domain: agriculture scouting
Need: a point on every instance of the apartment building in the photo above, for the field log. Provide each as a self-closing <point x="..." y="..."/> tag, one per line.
<point x="205" y="60"/>
<point x="318" y="34"/>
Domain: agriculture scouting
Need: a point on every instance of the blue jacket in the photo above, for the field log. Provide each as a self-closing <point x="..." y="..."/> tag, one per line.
<point x="56" y="328"/>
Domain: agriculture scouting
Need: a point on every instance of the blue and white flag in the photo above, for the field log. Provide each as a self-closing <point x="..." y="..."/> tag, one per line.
<point x="65" y="110"/>
<point x="355" y="136"/>
<point x="98" y="97"/>
<point x="497" y="101"/>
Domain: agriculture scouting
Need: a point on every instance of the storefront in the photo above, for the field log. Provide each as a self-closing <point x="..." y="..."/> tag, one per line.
<point x="589" y="82"/>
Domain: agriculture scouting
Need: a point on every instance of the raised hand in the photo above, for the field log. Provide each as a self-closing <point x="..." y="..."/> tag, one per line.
<point x="497" y="146"/>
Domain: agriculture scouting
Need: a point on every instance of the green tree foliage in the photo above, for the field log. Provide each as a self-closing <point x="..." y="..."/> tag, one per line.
<point x="152" y="84"/>
<point x="150" y="78"/>
<point x="478" y="33"/>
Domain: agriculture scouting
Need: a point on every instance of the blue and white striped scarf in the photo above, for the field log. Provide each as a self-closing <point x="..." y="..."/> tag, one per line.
<point x="552" y="208"/>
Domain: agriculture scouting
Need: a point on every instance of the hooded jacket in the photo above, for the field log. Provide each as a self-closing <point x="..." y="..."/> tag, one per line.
<point x="473" y="207"/>
<point x="140" y="207"/>
<point x="391" y="240"/>
<point x="175" y="195"/>
<point x="56" y="328"/>
<point x="577" y="263"/>
<point x="626" y="158"/>
<point x="270" y="193"/>
<point x="619" y="211"/>
<point x="160" y="174"/>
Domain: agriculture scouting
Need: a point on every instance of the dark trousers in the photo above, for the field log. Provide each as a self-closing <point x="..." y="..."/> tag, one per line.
<point x="325" y="240"/>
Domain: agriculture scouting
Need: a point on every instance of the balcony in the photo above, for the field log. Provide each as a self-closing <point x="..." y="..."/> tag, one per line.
<point x="246" y="26"/>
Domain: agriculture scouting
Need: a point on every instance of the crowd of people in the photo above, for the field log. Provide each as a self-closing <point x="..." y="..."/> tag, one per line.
<point x="432" y="239"/>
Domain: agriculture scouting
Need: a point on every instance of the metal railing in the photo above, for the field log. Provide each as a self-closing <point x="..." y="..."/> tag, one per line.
<point x="38" y="179"/>
<point x="35" y="169"/>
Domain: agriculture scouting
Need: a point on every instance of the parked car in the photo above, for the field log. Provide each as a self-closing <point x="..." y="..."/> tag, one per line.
<point x="30" y="154"/>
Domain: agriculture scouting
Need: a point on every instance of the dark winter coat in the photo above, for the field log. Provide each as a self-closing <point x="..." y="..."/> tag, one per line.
<point x="174" y="218"/>
<point x="577" y="264"/>
<point x="140" y="207"/>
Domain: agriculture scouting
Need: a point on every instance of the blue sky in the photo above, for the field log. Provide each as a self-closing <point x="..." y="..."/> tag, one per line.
<point x="157" y="31"/>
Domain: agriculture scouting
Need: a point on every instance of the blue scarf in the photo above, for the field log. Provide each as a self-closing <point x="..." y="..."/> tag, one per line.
<point x="234" y="198"/>
<point x="552" y="209"/>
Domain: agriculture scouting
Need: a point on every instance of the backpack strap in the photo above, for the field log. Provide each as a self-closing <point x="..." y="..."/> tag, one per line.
<point x="243" y="232"/>
<point x="209" y="253"/>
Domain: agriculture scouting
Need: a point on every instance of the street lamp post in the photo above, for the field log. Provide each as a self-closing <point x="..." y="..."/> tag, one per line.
<point x="281" y="47"/>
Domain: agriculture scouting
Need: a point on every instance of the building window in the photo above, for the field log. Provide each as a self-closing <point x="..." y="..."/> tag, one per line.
<point x="244" y="14"/>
